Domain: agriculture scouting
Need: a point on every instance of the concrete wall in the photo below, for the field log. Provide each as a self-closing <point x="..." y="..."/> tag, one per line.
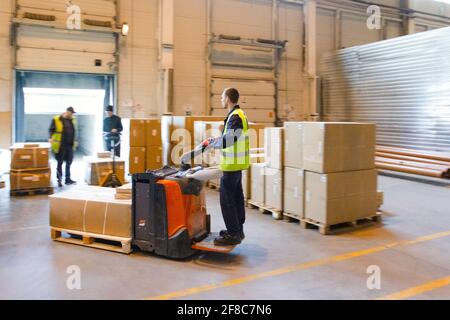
<point x="138" y="80"/>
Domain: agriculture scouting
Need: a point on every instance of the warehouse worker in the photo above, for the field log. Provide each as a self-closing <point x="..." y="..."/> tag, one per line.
<point x="63" y="131"/>
<point x="235" y="158"/>
<point x="112" y="127"/>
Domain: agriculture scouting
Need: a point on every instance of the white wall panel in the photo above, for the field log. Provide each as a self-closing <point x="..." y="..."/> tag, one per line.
<point x="247" y="102"/>
<point x="253" y="115"/>
<point x="104" y="8"/>
<point x="394" y="29"/>
<point x="138" y="82"/>
<point x="355" y="31"/>
<point x="263" y="88"/>
<point x="62" y="61"/>
<point x="42" y="37"/>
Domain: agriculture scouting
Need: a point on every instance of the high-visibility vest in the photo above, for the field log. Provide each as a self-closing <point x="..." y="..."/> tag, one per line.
<point x="57" y="135"/>
<point x="237" y="156"/>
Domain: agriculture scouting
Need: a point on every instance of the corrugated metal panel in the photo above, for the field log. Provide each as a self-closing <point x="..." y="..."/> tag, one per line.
<point x="402" y="84"/>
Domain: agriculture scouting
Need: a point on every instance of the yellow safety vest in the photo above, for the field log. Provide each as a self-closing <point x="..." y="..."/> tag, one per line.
<point x="57" y="136"/>
<point x="237" y="157"/>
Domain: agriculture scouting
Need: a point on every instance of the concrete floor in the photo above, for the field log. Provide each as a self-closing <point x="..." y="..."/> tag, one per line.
<point x="277" y="260"/>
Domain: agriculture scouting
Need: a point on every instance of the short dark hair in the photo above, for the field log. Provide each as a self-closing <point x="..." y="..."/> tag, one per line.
<point x="110" y="108"/>
<point x="232" y="94"/>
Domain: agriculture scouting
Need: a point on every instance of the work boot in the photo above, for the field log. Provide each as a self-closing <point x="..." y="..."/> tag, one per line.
<point x="227" y="240"/>
<point x="70" y="182"/>
<point x="60" y="184"/>
<point x="224" y="232"/>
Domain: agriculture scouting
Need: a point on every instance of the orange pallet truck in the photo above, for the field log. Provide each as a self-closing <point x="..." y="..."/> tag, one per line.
<point x="169" y="212"/>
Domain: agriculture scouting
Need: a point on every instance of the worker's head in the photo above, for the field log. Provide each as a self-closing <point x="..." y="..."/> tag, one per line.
<point x="230" y="98"/>
<point x="109" y="111"/>
<point x="69" y="113"/>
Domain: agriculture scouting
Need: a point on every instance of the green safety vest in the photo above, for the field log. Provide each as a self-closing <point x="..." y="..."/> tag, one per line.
<point x="237" y="157"/>
<point x="57" y="136"/>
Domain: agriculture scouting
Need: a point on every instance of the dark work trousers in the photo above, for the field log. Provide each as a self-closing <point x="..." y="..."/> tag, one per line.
<point x="232" y="202"/>
<point x="108" y="145"/>
<point x="65" y="155"/>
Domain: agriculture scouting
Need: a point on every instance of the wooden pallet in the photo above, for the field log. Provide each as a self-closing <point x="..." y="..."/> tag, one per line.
<point x="32" y="192"/>
<point x="290" y="217"/>
<point x="341" y="227"/>
<point x="92" y="240"/>
<point x="277" y="214"/>
<point x="2" y="184"/>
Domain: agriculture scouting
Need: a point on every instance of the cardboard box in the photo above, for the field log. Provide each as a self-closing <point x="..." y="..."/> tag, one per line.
<point x="154" y="158"/>
<point x="153" y="133"/>
<point x="137" y="160"/>
<point x="257" y="179"/>
<point x="134" y="132"/>
<point x="340" y="197"/>
<point x="337" y="147"/>
<point x="97" y="169"/>
<point x="293" y="192"/>
<point x="104" y="154"/>
<point x="91" y="209"/>
<point x="273" y="188"/>
<point x="30" y="179"/>
<point x="274" y="149"/>
<point x="33" y="156"/>
<point x="293" y="144"/>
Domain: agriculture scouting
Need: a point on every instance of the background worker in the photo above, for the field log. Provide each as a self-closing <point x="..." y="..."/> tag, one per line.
<point x="63" y="132"/>
<point x="112" y="128"/>
<point x="235" y="147"/>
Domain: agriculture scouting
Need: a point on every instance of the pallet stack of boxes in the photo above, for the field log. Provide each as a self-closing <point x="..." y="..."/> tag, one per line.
<point x="331" y="177"/>
<point x="293" y="170"/>
<point x="92" y="213"/>
<point x="273" y="170"/>
<point x="142" y="146"/>
<point x="30" y="168"/>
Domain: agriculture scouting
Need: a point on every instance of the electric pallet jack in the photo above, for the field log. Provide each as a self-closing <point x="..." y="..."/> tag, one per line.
<point x="169" y="210"/>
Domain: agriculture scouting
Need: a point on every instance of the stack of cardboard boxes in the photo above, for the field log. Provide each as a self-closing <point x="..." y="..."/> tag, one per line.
<point x="330" y="175"/>
<point x="142" y="146"/>
<point x="293" y="169"/>
<point x="273" y="170"/>
<point x="92" y="210"/>
<point x="340" y="174"/>
<point x="30" y="167"/>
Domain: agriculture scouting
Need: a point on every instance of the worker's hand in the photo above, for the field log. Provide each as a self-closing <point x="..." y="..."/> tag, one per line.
<point x="50" y="140"/>
<point x="114" y="130"/>
<point x="75" y="145"/>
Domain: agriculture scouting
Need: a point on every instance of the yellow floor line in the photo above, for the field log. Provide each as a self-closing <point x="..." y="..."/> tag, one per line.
<point x="293" y="268"/>
<point x="411" y="292"/>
